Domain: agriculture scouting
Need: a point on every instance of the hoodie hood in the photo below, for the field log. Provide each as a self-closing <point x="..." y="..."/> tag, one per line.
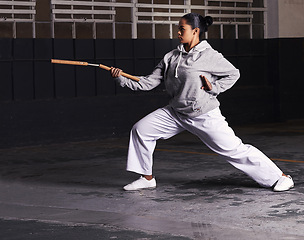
<point x="198" y="48"/>
<point x="203" y="45"/>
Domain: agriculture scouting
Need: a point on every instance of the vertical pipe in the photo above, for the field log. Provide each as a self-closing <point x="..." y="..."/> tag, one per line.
<point x="236" y="25"/>
<point x="265" y="19"/>
<point x="206" y="13"/>
<point x="33" y="20"/>
<point x="236" y="31"/>
<point x="113" y="23"/>
<point x="52" y="6"/>
<point x="14" y="23"/>
<point x="250" y="26"/>
<point x="94" y="22"/>
<point x="74" y="23"/>
<point x="134" y="19"/>
<point x="170" y="25"/>
<point x="153" y="24"/>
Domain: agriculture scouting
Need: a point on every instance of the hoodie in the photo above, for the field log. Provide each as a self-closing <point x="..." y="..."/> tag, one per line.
<point x="181" y="70"/>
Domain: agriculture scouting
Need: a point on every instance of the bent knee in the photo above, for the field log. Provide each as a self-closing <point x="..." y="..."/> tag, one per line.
<point x="139" y="129"/>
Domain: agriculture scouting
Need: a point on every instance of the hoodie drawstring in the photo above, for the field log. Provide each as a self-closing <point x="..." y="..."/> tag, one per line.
<point x="179" y="59"/>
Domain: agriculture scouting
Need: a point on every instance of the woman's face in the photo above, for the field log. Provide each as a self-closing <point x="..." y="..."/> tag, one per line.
<point x="185" y="32"/>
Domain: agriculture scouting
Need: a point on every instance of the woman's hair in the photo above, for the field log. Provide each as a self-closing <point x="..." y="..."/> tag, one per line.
<point x="197" y="21"/>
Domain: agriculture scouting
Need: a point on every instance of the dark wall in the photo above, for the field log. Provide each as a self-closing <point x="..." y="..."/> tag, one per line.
<point x="42" y="103"/>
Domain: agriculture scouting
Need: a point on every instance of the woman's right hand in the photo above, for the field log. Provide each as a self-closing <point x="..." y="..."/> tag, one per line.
<point x="115" y="72"/>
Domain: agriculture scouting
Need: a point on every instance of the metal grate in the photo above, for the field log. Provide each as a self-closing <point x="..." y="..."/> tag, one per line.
<point x="18" y="11"/>
<point x="233" y="14"/>
<point x="94" y="11"/>
<point x="226" y="13"/>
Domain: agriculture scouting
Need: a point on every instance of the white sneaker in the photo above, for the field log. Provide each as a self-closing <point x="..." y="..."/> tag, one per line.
<point x="141" y="183"/>
<point x="284" y="184"/>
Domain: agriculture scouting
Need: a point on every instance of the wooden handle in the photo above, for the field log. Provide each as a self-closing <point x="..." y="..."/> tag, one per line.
<point x="122" y="73"/>
<point x="104" y="67"/>
<point x="130" y="76"/>
<point x="87" y="64"/>
<point x="69" y="62"/>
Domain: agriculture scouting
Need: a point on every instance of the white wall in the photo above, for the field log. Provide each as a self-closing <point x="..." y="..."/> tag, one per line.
<point x="291" y="18"/>
<point x="285" y="18"/>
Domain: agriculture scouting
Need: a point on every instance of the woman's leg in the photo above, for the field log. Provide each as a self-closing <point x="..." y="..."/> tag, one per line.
<point x="159" y="124"/>
<point x="214" y="131"/>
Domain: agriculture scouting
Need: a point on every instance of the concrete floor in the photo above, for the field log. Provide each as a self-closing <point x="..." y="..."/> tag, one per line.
<point x="74" y="191"/>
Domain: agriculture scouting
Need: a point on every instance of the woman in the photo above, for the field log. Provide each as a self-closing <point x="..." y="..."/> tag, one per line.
<point x="194" y="74"/>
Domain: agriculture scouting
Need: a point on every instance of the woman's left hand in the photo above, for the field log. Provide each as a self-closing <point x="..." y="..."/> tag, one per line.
<point x="207" y="86"/>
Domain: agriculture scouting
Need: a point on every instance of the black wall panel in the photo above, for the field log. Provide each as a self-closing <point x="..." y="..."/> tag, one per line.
<point x="233" y="60"/>
<point x="144" y="48"/>
<point x="43" y="49"/>
<point x="162" y="46"/>
<point x="291" y="81"/>
<point x="229" y="47"/>
<point x="6" y="80"/>
<point x="105" y="54"/>
<point x="258" y="46"/>
<point x="124" y="48"/>
<point x="65" y="81"/>
<point x="105" y="85"/>
<point x="104" y="49"/>
<point x="174" y="43"/>
<point x="23" y="80"/>
<point x="63" y="49"/>
<point x="43" y="80"/>
<point x="216" y="44"/>
<point x="23" y="49"/>
<point x="84" y="49"/>
<point x="85" y="81"/>
<point x="273" y="75"/>
<point x="258" y="70"/>
<point x="248" y="74"/>
<point x="6" y="49"/>
<point x="6" y="91"/>
<point x="244" y="47"/>
<point x="144" y="67"/>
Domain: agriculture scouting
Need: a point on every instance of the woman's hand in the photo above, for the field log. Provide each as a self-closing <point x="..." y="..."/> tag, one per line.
<point x="115" y="72"/>
<point x="206" y="84"/>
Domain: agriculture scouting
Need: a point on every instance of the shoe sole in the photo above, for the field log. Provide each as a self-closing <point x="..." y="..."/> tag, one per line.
<point x="283" y="190"/>
<point x="140" y="189"/>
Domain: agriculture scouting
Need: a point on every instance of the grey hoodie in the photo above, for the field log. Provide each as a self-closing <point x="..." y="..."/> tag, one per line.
<point x="181" y="71"/>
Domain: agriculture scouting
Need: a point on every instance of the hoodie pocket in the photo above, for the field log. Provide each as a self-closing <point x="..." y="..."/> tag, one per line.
<point x="188" y="106"/>
<point x="200" y="104"/>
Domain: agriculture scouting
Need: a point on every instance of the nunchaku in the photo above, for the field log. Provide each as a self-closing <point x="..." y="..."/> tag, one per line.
<point x="59" y="61"/>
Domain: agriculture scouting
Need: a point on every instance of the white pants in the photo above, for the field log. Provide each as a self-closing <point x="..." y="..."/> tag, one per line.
<point x="212" y="129"/>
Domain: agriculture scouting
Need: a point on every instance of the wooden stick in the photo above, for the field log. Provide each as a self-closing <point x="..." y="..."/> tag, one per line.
<point x="69" y="62"/>
<point x="94" y="65"/>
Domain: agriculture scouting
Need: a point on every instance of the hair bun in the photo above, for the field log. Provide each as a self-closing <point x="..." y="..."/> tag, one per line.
<point x="196" y="20"/>
<point x="209" y="20"/>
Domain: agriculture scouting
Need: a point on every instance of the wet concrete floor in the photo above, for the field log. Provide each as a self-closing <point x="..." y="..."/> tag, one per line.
<point x="74" y="191"/>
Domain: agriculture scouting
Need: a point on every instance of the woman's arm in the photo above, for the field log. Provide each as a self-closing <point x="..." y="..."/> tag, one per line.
<point x="225" y="75"/>
<point x="145" y="83"/>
